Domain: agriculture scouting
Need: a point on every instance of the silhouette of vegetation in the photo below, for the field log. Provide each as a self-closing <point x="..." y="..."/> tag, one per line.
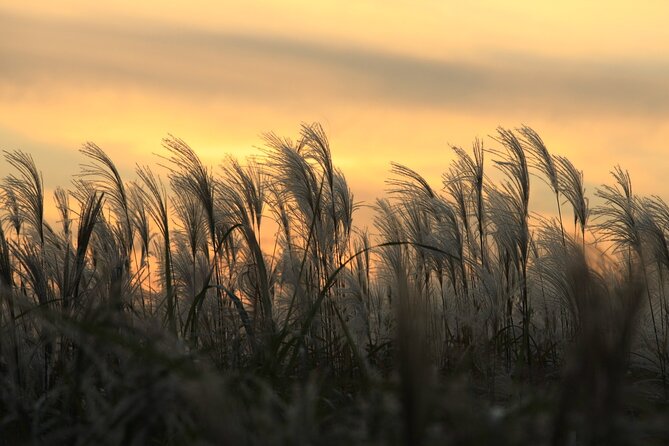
<point x="241" y="304"/>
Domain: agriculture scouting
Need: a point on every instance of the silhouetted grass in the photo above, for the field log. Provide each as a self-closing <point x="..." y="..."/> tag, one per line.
<point x="459" y="318"/>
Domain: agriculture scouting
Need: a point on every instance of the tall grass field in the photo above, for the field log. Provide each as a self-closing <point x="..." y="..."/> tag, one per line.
<point x="245" y="304"/>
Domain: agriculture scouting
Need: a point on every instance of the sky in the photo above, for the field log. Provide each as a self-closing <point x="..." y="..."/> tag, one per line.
<point x="389" y="81"/>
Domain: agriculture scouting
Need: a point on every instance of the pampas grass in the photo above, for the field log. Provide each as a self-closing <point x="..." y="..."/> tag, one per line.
<point x="459" y="316"/>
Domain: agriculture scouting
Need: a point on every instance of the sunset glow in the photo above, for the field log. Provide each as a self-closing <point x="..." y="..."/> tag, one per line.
<point x="389" y="81"/>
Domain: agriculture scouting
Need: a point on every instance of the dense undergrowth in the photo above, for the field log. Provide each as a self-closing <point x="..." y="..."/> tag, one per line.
<point x="154" y="311"/>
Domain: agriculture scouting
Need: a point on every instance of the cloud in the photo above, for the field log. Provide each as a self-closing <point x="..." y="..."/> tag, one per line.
<point x="201" y="65"/>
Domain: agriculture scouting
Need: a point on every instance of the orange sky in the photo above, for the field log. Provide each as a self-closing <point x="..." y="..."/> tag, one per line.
<point x="389" y="80"/>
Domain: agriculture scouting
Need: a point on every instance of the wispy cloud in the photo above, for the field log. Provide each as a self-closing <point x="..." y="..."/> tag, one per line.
<point x="257" y="67"/>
